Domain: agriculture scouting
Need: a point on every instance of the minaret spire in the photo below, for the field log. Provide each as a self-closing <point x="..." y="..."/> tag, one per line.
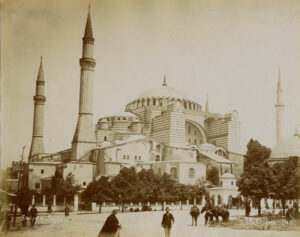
<point x="88" y="33"/>
<point x="206" y="104"/>
<point x="165" y="81"/>
<point x="84" y="139"/>
<point x="37" y="143"/>
<point x="279" y="107"/>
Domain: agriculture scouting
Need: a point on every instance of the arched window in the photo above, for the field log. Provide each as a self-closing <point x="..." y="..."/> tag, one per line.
<point x="191" y="173"/>
<point x="105" y="138"/>
<point x="157" y="158"/>
<point x="173" y="172"/>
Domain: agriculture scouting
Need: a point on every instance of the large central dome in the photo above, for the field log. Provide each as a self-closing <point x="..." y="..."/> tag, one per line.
<point x="163" y="91"/>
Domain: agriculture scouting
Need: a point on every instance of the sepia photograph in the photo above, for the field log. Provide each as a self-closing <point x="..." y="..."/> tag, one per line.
<point x="149" y="118"/>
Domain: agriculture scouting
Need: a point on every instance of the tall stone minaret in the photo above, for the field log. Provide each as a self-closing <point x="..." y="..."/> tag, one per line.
<point x="84" y="138"/>
<point x="37" y="143"/>
<point x="206" y="104"/>
<point x="279" y="107"/>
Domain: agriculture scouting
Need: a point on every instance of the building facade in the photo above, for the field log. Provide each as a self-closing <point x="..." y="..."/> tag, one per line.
<point x="162" y="129"/>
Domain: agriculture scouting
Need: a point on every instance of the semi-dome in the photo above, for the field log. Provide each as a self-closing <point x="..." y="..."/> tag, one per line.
<point x="163" y="91"/>
<point x="287" y="148"/>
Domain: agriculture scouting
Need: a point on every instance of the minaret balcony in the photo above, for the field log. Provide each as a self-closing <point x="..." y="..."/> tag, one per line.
<point x="87" y="63"/>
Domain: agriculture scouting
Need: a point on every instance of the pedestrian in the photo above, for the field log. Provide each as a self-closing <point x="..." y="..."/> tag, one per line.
<point x="111" y="227"/>
<point x="195" y="212"/>
<point x="167" y="222"/>
<point x="67" y="210"/>
<point x="24" y="214"/>
<point x="33" y="214"/>
<point x="50" y="210"/>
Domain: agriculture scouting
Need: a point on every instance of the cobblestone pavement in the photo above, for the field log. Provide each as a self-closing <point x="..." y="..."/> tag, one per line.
<point x="141" y="224"/>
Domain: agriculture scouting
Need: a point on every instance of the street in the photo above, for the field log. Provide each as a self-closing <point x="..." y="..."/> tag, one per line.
<point x="145" y="224"/>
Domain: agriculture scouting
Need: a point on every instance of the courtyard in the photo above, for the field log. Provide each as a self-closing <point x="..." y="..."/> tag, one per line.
<point x="135" y="224"/>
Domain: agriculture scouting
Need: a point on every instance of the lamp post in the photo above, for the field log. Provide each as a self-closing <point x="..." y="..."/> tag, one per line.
<point x="20" y="175"/>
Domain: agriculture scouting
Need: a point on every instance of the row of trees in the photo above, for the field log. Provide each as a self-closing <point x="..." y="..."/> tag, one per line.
<point x="144" y="186"/>
<point x="262" y="180"/>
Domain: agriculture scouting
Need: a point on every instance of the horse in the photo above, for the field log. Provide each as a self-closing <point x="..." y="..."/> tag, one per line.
<point x="209" y="215"/>
<point x="223" y="212"/>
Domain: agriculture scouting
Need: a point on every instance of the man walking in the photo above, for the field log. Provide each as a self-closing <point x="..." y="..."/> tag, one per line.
<point x="195" y="212"/>
<point x="33" y="214"/>
<point x="167" y="222"/>
<point x="111" y="226"/>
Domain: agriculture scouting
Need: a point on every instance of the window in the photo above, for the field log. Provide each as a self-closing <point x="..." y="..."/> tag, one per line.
<point x="157" y="148"/>
<point x="124" y="118"/>
<point x="84" y="183"/>
<point x="195" y="141"/>
<point x="127" y="157"/>
<point x="105" y="138"/>
<point x="135" y="157"/>
<point x="119" y="118"/>
<point x="124" y="157"/>
<point x="42" y="171"/>
<point x="173" y="172"/>
<point x="157" y="158"/>
<point x="139" y="157"/>
<point x="37" y="185"/>
<point x="195" y="132"/>
<point x="191" y="173"/>
<point x="231" y="182"/>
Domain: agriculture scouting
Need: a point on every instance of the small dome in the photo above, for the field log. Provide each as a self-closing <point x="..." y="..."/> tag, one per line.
<point x="287" y="148"/>
<point x="227" y="176"/>
<point x="105" y="144"/>
<point x="163" y="91"/>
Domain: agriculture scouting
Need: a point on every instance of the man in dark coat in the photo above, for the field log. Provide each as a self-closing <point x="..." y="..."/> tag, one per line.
<point x="167" y="222"/>
<point x="111" y="226"/>
<point x="195" y="212"/>
<point x="33" y="214"/>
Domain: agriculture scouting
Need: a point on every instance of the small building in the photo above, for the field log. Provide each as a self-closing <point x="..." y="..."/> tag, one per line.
<point x="224" y="193"/>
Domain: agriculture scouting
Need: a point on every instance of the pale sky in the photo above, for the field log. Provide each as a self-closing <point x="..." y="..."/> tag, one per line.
<point x="228" y="49"/>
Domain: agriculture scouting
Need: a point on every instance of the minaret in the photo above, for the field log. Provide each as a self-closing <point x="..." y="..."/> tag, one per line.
<point x="84" y="138"/>
<point x="206" y="104"/>
<point x="279" y="107"/>
<point x="165" y="81"/>
<point x="37" y="143"/>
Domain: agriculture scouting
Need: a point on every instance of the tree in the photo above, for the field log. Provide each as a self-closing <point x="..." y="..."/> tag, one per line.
<point x="99" y="191"/>
<point x="124" y="186"/>
<point x="69" y="188"/>
<point x="213" y="175"/>
<point x="256" y="154"/>
<point x="285" y="181"/>
<point x="257" y="183"/>
<point x="257" y="179"/>
<point x="148" y="182"/>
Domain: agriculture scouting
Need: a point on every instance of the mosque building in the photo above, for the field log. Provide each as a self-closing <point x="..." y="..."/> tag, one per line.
<point x="162" y="129"/>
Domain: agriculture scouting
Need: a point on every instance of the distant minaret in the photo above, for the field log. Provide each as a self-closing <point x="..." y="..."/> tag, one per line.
<point x="165" y="81"/>
<point x="279" y="107"/>
<point x="206" y="104"/>
<point x="84" y="138"/>
<point x="37" y="144"/>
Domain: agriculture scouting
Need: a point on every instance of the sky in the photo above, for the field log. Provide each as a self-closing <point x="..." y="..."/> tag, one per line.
<point x="230" y="50"/>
